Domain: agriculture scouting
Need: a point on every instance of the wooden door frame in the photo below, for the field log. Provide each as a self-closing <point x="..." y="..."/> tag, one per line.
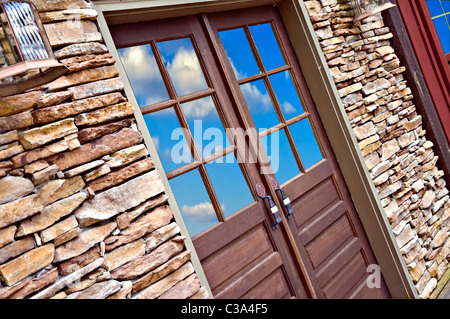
<point x="328" y="105"/>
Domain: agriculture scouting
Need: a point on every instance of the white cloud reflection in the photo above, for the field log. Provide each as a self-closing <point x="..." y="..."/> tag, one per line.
<point x="143" y="74"/>
<point x="202" y="212"/>
<point x="185" y="72"/>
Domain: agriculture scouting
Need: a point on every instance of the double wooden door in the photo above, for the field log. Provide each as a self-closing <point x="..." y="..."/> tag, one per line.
<point x="299" y="235"/>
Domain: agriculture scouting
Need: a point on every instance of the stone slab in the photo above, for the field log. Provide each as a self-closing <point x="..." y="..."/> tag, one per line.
<point x="68" y="32"/>
<point x="120" y="198"/>
<point x="26" y="264"/>
<point x="19" y="209"/>
<point x="83" y="242"/>
<point x="48" y="133"/>
<point x="105" y="145"/>
<point x="12" y="188"/>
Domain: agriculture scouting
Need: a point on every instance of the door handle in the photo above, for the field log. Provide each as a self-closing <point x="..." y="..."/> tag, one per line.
<point x="261" y="191"/>
<point x="286" y="201"/>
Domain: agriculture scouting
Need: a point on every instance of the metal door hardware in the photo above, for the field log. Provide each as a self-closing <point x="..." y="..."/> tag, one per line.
<point x="261" y="191"/>
<point x="286" y="201"/>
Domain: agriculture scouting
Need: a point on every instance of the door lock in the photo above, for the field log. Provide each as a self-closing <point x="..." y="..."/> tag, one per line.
<point x="261" y="191"/>
<point x="286" y="201"/>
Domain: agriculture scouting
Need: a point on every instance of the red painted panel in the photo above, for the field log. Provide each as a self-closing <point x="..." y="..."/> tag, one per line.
<point x="429" y="53"/>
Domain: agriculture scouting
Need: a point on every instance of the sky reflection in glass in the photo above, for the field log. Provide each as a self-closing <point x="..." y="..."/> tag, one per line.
<point x="267" y="46"/>
<point x="183" y="66"/>
<point x="143" y="74"/>
<point x="187" y="77"/>
<point x="239" y="52"/>
<point x="260" y="104"/>
<point x="193" y="201"/>
<point x="281" y="156"/>
<point x="305" y="141"/>
<point x="205" y="125"/>
<point x="230" y="186"/>
<point x="168" y="138"/>
<point x="286" y="94"/>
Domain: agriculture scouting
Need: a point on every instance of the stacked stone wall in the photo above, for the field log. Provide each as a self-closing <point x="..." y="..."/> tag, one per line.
<point x="380" y="107"/>
<point x="83" y="212"/>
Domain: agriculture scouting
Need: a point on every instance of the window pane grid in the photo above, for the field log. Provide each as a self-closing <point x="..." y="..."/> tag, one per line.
<point x="162" y="68"/>
<point x="264" y="75"/>
<point x="175" y="102"/>
<point x="440" y="15"/>
<point x="284" y="124"/>
<point x="254" y="49"/>
<point x="212" y="194"/>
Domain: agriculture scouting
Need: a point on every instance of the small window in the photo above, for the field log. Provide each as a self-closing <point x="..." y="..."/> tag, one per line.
<point x="440" y="14"/>
<point x="26" y="58"/>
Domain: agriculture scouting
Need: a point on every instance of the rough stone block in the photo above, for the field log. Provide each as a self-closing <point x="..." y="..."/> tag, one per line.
<point x="105" y="145"/>
<point x="19" y="209"/>
<point x="7" y="235"/>
<point x="81" y="77"/>
<point x="57" y="112"/>
<point x="141" y="265"/>
<point x="68" y="32"/>
<point x="12" y="188"/>
<point x="80" y="49"/>
<point x="15" y="122"/>
<point x="58" y="229"/>
<point x="50" y="214"/>
<point x="26" y="264"/>
<point x="121" y="175"/>
<point x="14" y="104"/>
<point x="156" y="289"/>
<point x="39" y="136"/>
<point x="96" y="88"/>
<point x="106" y="114"/>
<point x="124" y="254"/>
<point x="118" y="199"/>
<point x="83" y="242"/>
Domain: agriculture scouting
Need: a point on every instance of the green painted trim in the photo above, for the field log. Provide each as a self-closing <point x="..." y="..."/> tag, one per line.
<point x="442" y="283"/>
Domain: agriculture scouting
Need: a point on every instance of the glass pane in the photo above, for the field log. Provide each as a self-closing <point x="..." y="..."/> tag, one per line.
<point x="169" y="140"/>
<point x="306" y="143"/>
<point x="183" y="66"/>
<point x="143" y="74"/>
<point x="443" y="31"/>
<point x="446" y="5"/>
<point x="239" y="52"/>
<point x="206" y="126"/>
<point x="267" y="45"/>
<point x="260" y="104"/>
<point x="229" y="184"/>
<point x="435" y="7"/>
<point x="286" y="94"/>
<point x="281" y="157"/>
<point x="193" y="201"/>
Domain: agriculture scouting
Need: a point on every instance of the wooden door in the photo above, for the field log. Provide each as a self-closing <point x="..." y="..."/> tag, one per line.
<point x="320" y="251"/>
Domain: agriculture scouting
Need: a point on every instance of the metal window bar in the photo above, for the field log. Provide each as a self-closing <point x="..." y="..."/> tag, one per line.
<point x="27" y="31"/>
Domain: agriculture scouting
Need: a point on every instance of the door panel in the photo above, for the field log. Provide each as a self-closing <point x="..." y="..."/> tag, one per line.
<point x="241" y="253"/>
<point x="274" y="286"/>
